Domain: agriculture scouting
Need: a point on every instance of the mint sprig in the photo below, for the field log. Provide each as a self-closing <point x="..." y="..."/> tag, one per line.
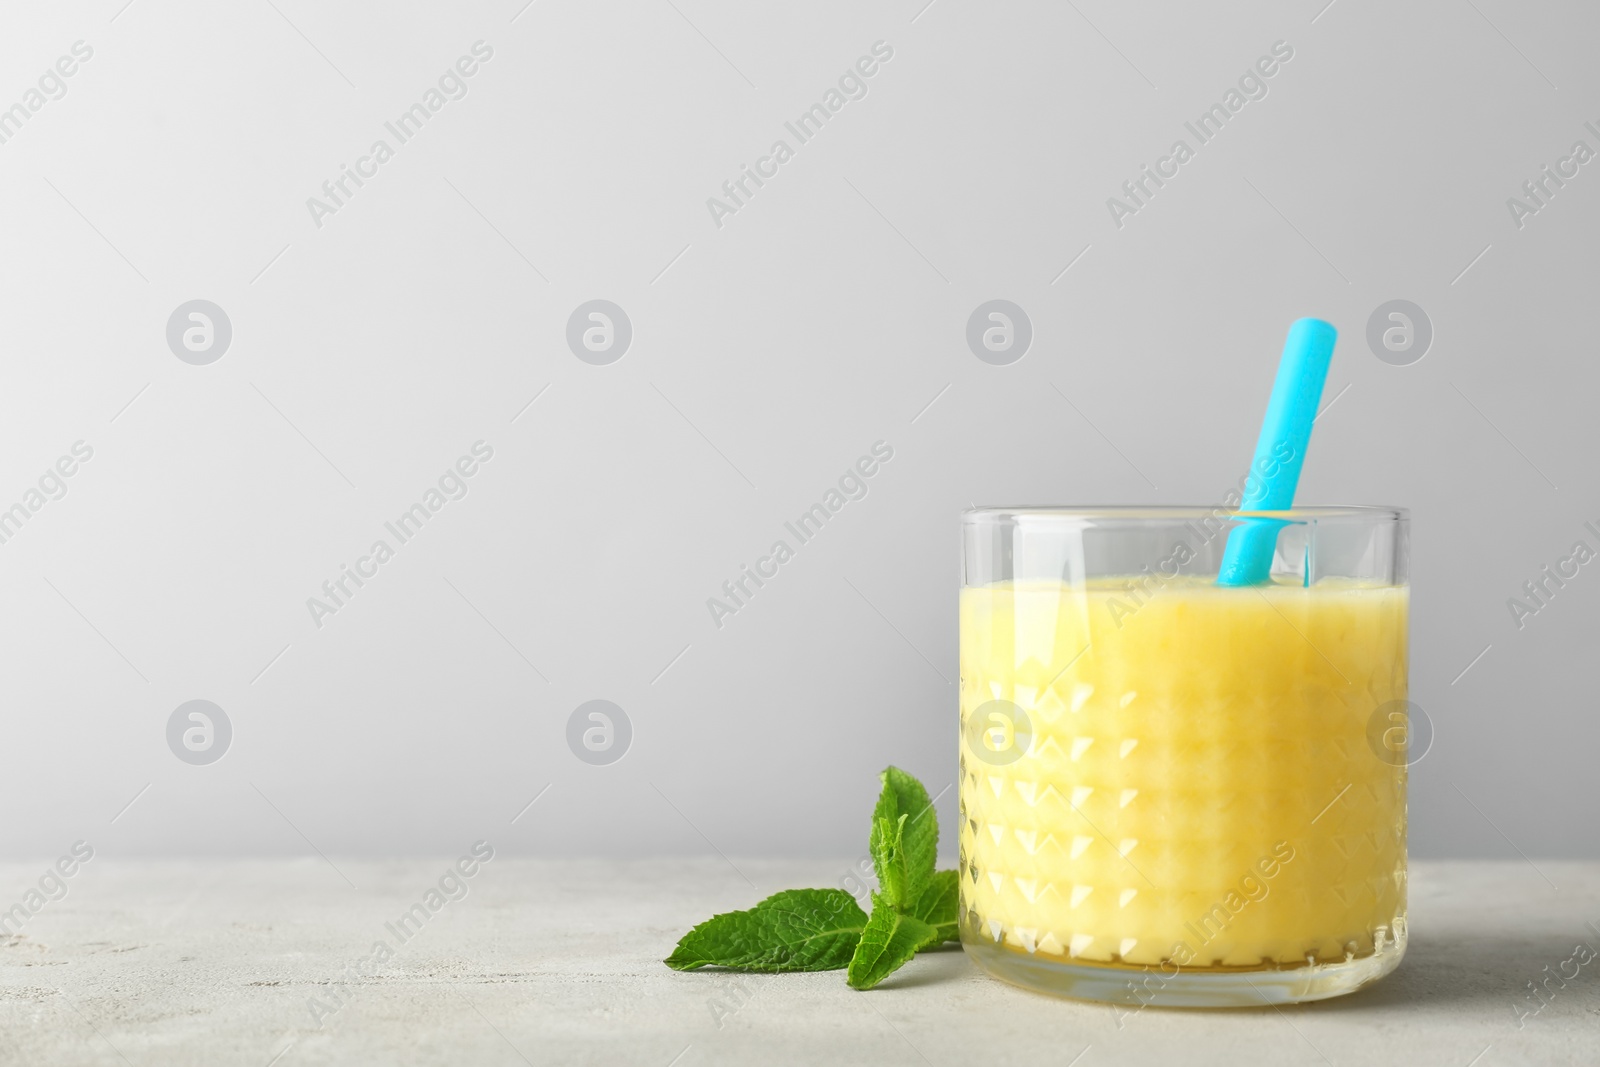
<point x="915" y="909"/>
<point x="888" y="848"/>
<point x="795" y="930"/>
<point x="890" y="940"/>
<point x="904" y="799"/>
<point x="940" y="905"/>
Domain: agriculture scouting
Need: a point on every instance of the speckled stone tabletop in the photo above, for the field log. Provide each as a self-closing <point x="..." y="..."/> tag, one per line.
<point x="533" y="962"/>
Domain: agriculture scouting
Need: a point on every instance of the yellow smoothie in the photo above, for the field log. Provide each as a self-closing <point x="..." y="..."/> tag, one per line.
<point x="1198" y="787"/>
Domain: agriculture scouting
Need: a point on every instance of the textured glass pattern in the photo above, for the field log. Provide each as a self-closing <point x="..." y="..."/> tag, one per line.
<point x="1193" y="778"/>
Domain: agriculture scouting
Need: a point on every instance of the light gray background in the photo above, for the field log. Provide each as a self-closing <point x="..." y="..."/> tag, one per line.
<point x="369" y="354"/>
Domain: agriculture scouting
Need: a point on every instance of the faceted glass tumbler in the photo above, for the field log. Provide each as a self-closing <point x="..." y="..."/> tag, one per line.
<point x="1175" y="793"/>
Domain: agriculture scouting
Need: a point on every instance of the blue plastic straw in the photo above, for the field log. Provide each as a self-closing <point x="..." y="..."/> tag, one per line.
<point x="1280" y="451"/>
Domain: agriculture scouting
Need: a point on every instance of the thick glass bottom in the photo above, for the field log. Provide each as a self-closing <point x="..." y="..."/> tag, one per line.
<point x="1171" y="986"/>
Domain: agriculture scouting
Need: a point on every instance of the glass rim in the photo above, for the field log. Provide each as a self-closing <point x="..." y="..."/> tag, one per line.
<point x="1077" y="513"/>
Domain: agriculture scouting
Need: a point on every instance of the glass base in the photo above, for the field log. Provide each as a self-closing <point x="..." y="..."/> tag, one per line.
<point x="1141" y="987"/>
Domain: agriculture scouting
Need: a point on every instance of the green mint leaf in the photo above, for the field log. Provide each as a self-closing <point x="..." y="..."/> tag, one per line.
<point x="889" y="940"/>
<point x="796" y="930"/>
<point x="887" y="845"/>
<point x="939" y="906"/>
<point x="904" y="795"/>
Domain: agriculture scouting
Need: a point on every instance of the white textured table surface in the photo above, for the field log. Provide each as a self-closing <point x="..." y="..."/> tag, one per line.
<point x="217" y="963"/>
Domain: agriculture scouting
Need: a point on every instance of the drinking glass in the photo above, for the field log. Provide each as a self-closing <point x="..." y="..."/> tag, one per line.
<point x="1177" y="793"/>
